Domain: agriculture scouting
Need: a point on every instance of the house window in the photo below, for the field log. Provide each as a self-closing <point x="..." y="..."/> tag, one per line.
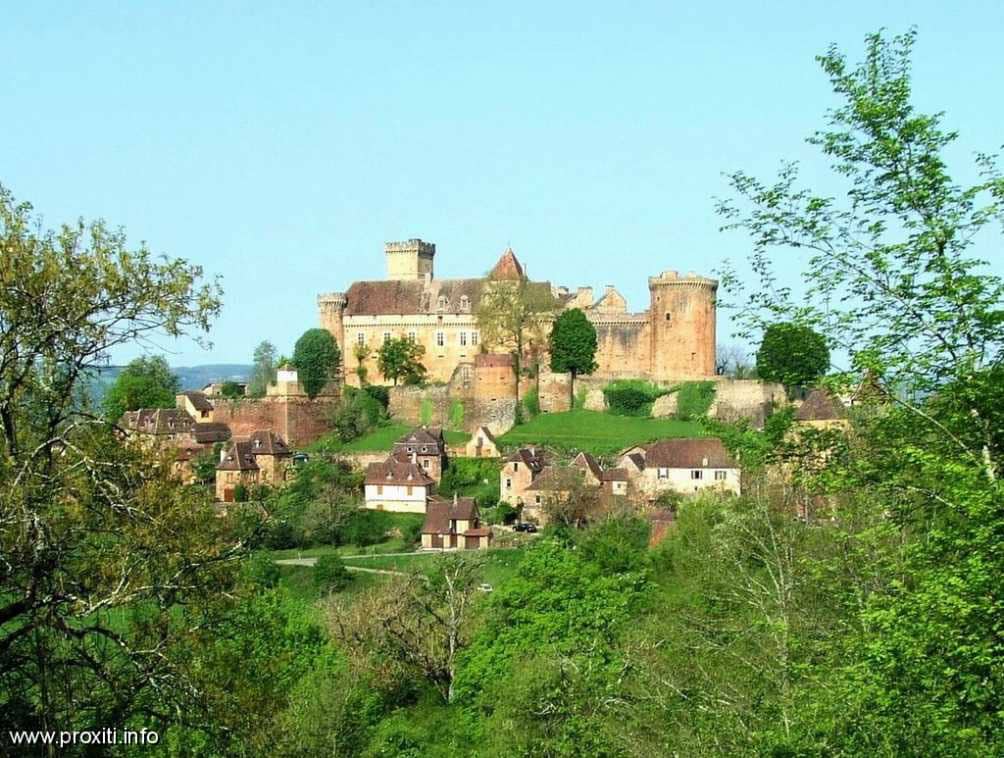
<point x="408" y="492"/>
<point x="508" y="484"/>
<point x="515" y="466"/>
<point x="440" y="339"/>
<point x="425" y="463"/>
<point x="720" y="476"/>
<point x="411" y="337"/>
<point x="536" y="499"/>
<point x="463" y="339"/>
<point x="386" y="337"/>
<point x="697" y="474"/>
<point x="360" y="338"/>
<point x="379" y="489"/>
<point x="663" y="473"/>
<point x="474" y="338"/>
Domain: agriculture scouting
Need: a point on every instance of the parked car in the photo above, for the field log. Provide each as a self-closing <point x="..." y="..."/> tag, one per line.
<point x="525" y="527"/>
<point x="530" y="528"/>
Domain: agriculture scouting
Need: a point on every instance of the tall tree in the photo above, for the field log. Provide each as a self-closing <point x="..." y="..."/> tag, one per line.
<point x="512" y="316"/>
<point x="146" y="382"/>
<point x="401" y="360"/>
<point x="91" y="529"/>
<point x="792" y="354"/>
<point x="265" y="366"/>
<point x="316" y="357"/>
<point x="573" y="347"/>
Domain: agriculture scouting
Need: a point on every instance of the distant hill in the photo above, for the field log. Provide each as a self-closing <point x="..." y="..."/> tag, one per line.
<point x="189" y="377"/>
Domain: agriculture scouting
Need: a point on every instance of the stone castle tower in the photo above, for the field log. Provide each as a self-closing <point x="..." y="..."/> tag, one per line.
<point x="331" y="306"/>
<point x="407" y="261"/>
<point x="682" y="325"/>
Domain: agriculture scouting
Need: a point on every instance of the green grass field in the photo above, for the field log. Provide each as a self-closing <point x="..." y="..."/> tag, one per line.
<point x="383" y="438"/>
<point x="595" y="432"/>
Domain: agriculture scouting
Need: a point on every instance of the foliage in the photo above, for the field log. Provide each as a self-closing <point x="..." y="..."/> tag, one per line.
<point x="362" y="354"/>
<point x="580" y="398"/>
<point x="400" y="359"/>
<point x="572" y="346"/>
<point x="616" y="544"/>
<point x="472" y="477"/>
<point x="512" y="318"/>
<point x="330" y="574"/>
<point x="693" y="399"/>
<point x="632" y="397"/>
<point x="792" y="354"/>
<point x="262" y="571"/>
<point x="379" y="393"/>
<point x="456" y="418"/>
<point x="358" y="412"/>
<point x="145" y="383"/>
<point x="425" y="411"/>
<point x="264" y="371"/>
<point x="531" y="402"/>
<point x="231" y="390"/>
<point x="316" y="357"/>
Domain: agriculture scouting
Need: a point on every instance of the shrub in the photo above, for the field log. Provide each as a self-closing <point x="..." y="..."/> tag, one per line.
<point x="330" y="574"/>
<point x="262" y="571"/>
<point x="456" y="415"/>
<point x="792" y="354"/>
<point x="632" y="397"/>
<point x="316" y="357"/>
<point x="693" y="399"/>
<point x="357" y="414"/>
<point x="531" y="403"/>
<point x="379" y="393"/>
<point x="240" y="494"/>
<point x="580" y="398"/>
<point x="472" y="477"/>
<point x="617" y="544"/>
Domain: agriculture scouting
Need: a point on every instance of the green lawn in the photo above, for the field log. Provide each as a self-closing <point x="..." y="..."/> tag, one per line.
<point x="383" y="438"/>
<point x="595" y="432"/>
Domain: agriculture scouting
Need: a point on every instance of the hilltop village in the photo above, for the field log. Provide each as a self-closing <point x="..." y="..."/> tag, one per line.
<point x="470" y="394"/>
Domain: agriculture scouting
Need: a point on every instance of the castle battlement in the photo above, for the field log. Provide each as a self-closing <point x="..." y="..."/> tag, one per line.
<point x="672" y="278"/>
<point x="414" y="245"/>
<point x="332" y="298"/>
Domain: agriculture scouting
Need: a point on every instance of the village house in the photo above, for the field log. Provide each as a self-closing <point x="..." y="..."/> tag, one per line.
<point x="263" y="458"/>
<point x="683" y="465"/>
<point x="426" y="446"/>
<point x="482" y="444"/>
<point x="821" y="410"/>
<point x="518" y="473"/>
<point x="454" y="524"/>
<point x="615" y="482"/>
<point x="554" y="485"/>
<point x="399" y="486"/>
<point x="195" y="404"/>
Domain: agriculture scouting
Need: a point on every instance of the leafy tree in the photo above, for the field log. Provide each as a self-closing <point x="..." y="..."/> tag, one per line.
<point x="792" y="354"/>
<point x="146" y="382"/>
<point x="362" y="354"/>
<point x="101" y="547"/>
<point x="265" y="367"/>
<point x="401" y="359"/>
<point x="231" y="390"/>
<point x="330" y="574"/>
<point x="204" y="468"/>
<point x="316" y="357"/>
<point x="512" y="316"/>
<point x="573" y="347"/>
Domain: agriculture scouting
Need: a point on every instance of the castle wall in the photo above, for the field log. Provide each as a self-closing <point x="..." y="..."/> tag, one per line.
<point x="298" y="420"/>
<point x="623" y="342"/>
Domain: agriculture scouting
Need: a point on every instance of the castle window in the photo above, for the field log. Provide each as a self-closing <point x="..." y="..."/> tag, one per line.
<point x="465" y="303"/>
<point x="360" y="339"/>
<point x="463" y="339"/>
<point x="440" y="339"/>
<point x="442" y="302"/>
<point x="669" y="316"/>
<point x="508" y="484"/>
<point x="411" y="336"/>
<point x="474" y="338"/>
<point x="386" y="337"/>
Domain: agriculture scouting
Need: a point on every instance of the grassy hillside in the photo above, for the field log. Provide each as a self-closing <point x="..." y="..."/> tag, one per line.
<point x="595" y="432"/>
<point x="380" y="439"/>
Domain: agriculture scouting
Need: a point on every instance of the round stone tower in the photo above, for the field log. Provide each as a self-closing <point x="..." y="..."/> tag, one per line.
<point x="682" y="326"/>
<point x="331" y="306"/>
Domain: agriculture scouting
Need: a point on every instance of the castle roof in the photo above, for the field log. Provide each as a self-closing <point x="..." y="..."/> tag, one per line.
<point x="158" y="421"/>
<point x="416" y="296"/>
<point x="508" y="267"/>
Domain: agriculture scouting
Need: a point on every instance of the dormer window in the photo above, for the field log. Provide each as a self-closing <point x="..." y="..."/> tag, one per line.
<point x="442" y="302"/>
<point x="465" y="303"/>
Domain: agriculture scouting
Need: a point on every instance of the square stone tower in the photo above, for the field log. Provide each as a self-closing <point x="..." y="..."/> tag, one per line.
<point x="410" y="260"/>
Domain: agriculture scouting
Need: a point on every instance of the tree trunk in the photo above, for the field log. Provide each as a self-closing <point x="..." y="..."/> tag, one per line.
<point x="571" y="390"/>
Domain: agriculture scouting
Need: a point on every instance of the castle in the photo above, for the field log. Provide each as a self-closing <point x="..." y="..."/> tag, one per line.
<point x="674" y="339"/>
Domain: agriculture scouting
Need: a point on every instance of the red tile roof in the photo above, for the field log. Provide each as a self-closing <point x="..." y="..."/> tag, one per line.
<point x="615" y="475"/>
<point x="268" y="443"/>
<point x="557" y="479"/>
<point x="508" y="267"/>
<point x="696" y="452"/>
<point x="238" y="457"/>
<point x="439" y="514"/>
<point x="392" y="471"/>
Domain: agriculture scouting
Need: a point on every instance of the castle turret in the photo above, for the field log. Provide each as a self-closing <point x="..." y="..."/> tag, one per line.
<point x="332" y="306"/>
<point x="409" y="260"/>
<point x="682" y="317"/>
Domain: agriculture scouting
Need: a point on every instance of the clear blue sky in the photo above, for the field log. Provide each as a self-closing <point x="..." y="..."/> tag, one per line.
<point x="280" y="145"/>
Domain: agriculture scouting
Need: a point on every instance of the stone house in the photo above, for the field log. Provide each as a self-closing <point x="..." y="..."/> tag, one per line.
<point x="555" y="484"/>
<point x="682" y="465"/>
<point x="482" y="444"/>
<point x="821" y="410"/>
<point x="195" y="404"/>
<point x="615" y="482"/>
<point x="592" y="471"/>
<point x="454" y="524"/>
<point x="262" y="458"/>
<point x="398" y="486"/>
<point x="518" y="472"/>
<point x="426" y="446"/>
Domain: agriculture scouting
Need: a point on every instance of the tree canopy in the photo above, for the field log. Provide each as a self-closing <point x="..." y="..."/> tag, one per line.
<point x="400" y="359"/>
<point x="146" y="382"/>
<point x="316" y="357"/>
<point x="792" y="354"/>
<point x="573" y="346"/>
<point x="264" y="371"/>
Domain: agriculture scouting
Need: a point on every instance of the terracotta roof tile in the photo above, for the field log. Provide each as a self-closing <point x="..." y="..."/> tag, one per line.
<point x="508" y="267"/>
<point x="695" y="452"/>
<point x="392" y="471"/>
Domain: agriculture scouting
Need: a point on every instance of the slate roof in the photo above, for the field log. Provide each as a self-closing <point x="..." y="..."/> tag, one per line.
<point x="213" y="431"/>
<point x="692" y="453"/>
<point x="587" y="461"/>
<point x="557" y="479"/>
<point x="532" y="458"/>
<point x="439" y="514"/>
<point x="199" y="401"/>
<point x="615" y="475"/>
<point x="820" y="405"/>
<point x="268" y="443"/>
<point x="158" y="421"/>
<point x="431" y="436"/>
<point x="393" y="471"/>
<point x="238" y="457"/>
